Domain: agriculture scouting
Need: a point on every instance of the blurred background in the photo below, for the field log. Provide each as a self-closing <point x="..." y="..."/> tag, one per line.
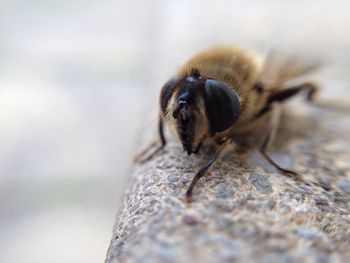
<point x="77" y="81"/>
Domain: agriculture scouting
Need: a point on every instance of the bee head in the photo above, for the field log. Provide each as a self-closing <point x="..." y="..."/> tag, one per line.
<point x="196" y="108"/>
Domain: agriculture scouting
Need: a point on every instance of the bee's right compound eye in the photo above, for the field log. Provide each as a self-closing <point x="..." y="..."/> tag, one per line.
<point x="222" y="105"/>
<point x="166" y="93"/>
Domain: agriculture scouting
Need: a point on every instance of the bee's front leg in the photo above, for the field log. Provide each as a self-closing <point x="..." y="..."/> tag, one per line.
<point x="218" y="154"/>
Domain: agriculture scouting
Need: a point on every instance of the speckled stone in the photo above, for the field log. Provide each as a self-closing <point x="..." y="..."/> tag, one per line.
<point x="344" y="185"/>
<point x="243" y="212"/>
<point x="261" y="183"/>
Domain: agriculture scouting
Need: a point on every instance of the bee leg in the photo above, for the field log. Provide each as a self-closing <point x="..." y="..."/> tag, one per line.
<point x="281" y="95"/>
<point x="275" y="118"/>
<point x="147" y="154"/>
<point x="205" y="168"/>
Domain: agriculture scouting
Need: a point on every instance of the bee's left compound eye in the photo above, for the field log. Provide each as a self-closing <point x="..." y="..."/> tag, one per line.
<point x="222" y="105"/>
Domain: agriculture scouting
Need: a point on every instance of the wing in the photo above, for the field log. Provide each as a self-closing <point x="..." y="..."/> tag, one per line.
<point x="278" y="69"/>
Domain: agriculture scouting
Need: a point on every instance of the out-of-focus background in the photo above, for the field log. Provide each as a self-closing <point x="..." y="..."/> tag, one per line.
<point x="77" y="79"/>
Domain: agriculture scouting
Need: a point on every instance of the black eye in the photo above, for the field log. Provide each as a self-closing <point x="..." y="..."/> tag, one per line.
<point x="222" y="105"/>
<point x="166" y="93"/>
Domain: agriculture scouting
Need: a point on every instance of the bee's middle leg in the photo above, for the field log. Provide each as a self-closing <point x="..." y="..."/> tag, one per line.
<point x="275" y="120"/>
<point x="281" y="95"/>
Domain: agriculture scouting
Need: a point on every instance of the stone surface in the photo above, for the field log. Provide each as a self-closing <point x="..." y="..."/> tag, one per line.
<point x="243" y="211"/>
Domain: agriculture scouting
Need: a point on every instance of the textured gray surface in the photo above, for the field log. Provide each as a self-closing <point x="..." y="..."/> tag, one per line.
<point x="244" y="211"/>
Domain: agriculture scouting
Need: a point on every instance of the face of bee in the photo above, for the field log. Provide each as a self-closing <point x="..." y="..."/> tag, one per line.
<point x="197" y="107"/>
<point x="187" y="114"/>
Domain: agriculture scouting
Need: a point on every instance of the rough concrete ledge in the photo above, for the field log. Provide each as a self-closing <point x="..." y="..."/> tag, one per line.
<point x="243" y="212"/>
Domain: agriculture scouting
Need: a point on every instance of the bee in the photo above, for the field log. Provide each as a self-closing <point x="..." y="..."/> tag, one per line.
<point x="221" y="92"/>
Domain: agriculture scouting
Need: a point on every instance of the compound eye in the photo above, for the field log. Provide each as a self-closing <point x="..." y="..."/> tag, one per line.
<point x="222" y="105"/>
<point x="166" y="93"/>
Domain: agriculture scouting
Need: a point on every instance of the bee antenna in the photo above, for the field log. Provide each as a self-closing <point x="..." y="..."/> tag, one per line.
<point x="182" y="103"/>
<point x="176" y="112"/>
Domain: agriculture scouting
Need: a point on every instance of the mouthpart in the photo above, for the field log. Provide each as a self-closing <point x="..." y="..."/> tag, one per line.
<point x="188" y="148"/>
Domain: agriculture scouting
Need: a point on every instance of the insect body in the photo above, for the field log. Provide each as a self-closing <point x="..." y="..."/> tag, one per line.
<point x="220" y="92"/>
